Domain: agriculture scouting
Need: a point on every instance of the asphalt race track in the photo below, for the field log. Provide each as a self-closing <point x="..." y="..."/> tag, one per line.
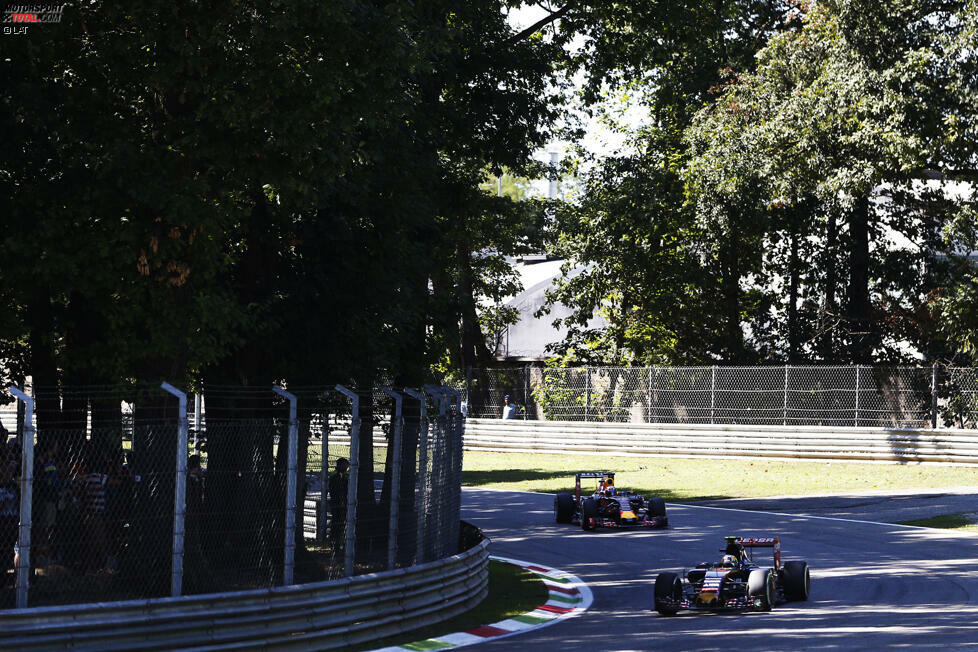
<point x="874" y="585"/>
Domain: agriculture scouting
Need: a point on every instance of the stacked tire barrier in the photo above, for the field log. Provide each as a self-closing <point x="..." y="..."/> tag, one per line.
<point x="317" y="616"/>
<point x="948" y="446"/>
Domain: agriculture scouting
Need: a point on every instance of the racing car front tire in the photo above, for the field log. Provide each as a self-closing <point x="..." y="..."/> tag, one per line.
<point x="589" y="510"/>
<point x="668" y="592"/>
<point x="760" y="585"/>
<point x="657" y="507"/>
<point x="797" y="580"/>
<point x="563" y="508"/>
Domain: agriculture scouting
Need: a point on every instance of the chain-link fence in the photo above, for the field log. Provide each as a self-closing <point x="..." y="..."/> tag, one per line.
<point x="783" y="395"/>
<point x="121" y="495"/>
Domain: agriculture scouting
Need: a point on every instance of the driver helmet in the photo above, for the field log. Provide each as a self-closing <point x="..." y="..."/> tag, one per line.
<point x="728" y="561"/>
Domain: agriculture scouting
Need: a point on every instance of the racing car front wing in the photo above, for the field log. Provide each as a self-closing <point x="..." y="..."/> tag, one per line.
<point x="654" y="522"/>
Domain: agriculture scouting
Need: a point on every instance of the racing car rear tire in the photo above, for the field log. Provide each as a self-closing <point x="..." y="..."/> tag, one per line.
<point x="797" y="580"/>
<point x="657" y="507"/>
<point x="668" y="589"/>
<point x="563" y="508"/>
<point x="589" y="510"/>
<point x="760" y="584"/>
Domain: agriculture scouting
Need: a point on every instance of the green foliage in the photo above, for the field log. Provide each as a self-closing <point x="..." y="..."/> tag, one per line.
<point x="830" y="117"/>
<point x="638" y="254"/>
<point x="956" y="306"/>
<point x="258" y="191"/>
<point x="507" y="185"/>
<point x="811" y="143"/>
<point x="632" y="233"/>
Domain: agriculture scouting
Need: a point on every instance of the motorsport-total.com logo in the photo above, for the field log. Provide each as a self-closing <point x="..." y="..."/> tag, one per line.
<point x="17" y="18"/>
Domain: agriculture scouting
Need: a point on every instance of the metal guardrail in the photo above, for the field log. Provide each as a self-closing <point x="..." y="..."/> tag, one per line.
<point x="317" y="616"/>
<point x="949" y="446"/>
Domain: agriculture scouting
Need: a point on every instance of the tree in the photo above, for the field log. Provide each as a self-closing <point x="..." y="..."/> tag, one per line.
<point x="830" y="125"/>
<point x="660" y="292"/>
<point x="254" y="192"/>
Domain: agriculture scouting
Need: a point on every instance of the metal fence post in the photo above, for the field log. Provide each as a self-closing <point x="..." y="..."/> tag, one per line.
<point x="421" y="502"/>
<point x="20" y="419"/>
<point x="395" y="488"/>
<point x="323" y="477"/>
<point x="856" y="421"/>
<point x="288" y="562"/>
<point x="179" y="492"/>
<point x="468" y="389"/>
<point x="197" y="406"/>
<point x="648" y="412"/>
<point x="438" y="464"/>
<point x="713" y="393"/>
<point x="23" y="563"/>
<point x="933" y="396"/>
<point x="587" y="393"/>
<point x="785" y="404"/>
<point x="455" y="446"/>
<point x="655" y="394"/>
<point x="351" y="491"/>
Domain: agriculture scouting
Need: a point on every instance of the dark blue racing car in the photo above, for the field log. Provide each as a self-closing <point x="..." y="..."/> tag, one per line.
<point x="735" y="582"/>
<point x="608" y="506"/>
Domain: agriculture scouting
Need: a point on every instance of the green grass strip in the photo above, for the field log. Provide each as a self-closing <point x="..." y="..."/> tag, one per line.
<point x="428" y="645"/>
<point x="680" y="479"/>
<point x="967" y="522"/>
<point x="557" y="597"/>
<point x="531" y="620"/>
<point x="512" y="593"/>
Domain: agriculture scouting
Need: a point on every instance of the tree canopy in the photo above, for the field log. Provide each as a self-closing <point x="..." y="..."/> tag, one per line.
<point x="260" y="191"/>
<point x="811" y="198"/>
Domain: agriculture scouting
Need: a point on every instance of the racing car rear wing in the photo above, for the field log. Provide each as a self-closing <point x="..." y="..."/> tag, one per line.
<point x="607" y="480"/>
<point x="596" y="474"/>
<point x="763" y="542"/>
<point x="759" y="542"/>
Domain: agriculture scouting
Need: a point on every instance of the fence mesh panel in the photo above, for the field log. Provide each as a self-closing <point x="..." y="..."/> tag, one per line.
<point x="781" y="395"/>
<point x="102" y="497"/>
<point x="959" y="397"/>
<point x="106" y="478"/>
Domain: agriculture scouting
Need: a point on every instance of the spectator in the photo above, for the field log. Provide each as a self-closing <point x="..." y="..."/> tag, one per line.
<point x="48" y="488"/>
<point x="96" y="480"/>
<point x="118" y="496"/>
<point x="9" y="511"/>
<point x="339" y="482"/>
<point x="510" y="408"/>
<point x="14" y="456"/>
<point x="68" y="524"/>
<point x="195" y="497"/>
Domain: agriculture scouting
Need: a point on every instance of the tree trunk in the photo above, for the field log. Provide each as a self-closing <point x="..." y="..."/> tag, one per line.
<point x="81" y="333"/>
<point x="371" y="521"/>
<point x="793" y="297"/>
<point x="829" y="312"/>
<point x="43" y="368"/>
<point x="858" y="308"/>
<point x="474" y="351"/>
<point x="412" y="373"/>
<point x="731" y="296"/>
